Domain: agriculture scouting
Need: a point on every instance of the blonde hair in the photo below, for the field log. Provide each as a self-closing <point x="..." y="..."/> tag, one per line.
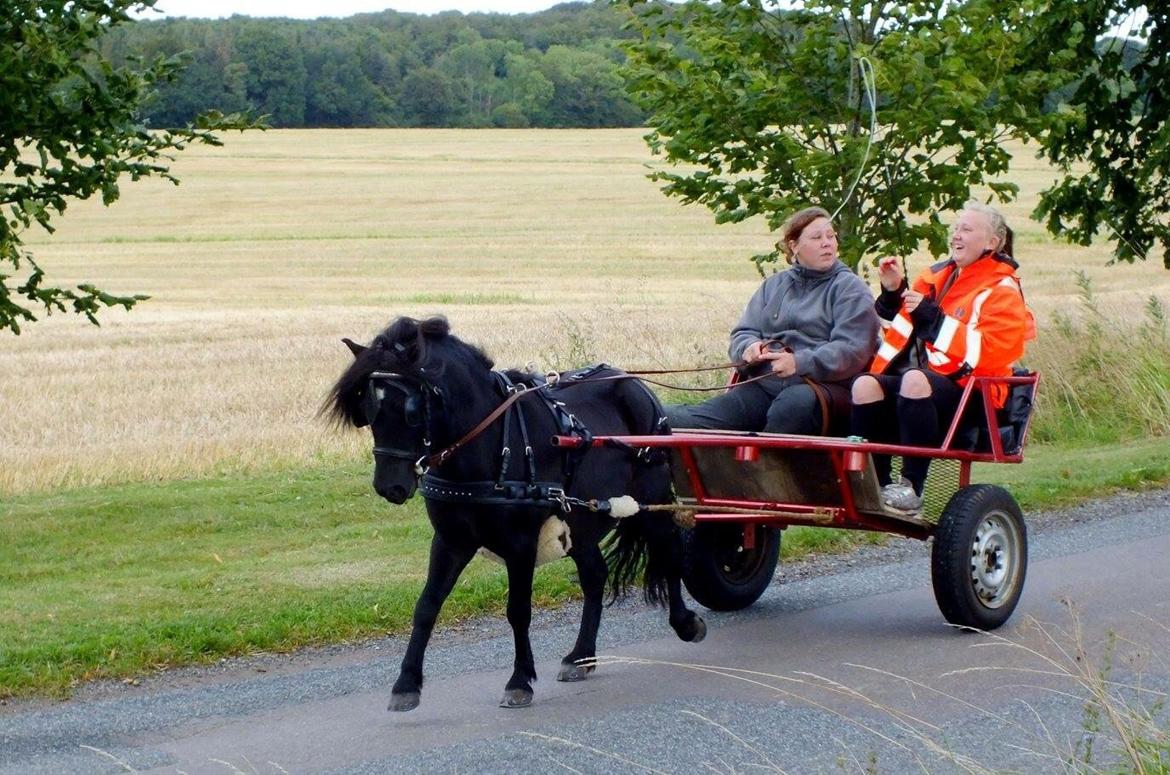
<point x="998" y="224"/>
<point x="795" y="226"/>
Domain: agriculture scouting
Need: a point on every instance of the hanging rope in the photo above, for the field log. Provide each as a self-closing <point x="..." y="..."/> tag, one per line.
<point x="869" y="85"/>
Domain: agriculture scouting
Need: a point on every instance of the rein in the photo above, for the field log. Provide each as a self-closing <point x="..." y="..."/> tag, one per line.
<point x="554" y="381"/>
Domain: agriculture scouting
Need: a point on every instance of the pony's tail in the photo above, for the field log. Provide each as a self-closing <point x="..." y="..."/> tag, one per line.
<point x="629" y="556"/>
<point x="645" y="544"/>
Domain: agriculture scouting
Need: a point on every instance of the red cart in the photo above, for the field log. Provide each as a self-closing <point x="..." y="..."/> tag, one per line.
<point x="745" y="488"/>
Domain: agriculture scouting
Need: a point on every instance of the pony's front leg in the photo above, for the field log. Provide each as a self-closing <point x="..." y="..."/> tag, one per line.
<point x="591" y="570"/>
<point x="521" y="565"/>
<point x="446" y="563"/>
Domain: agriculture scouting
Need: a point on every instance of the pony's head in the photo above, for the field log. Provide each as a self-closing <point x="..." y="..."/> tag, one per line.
<point x="395" y="387"/>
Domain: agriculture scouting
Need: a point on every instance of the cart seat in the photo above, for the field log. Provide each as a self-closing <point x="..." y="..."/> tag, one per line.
<point x="1012" y="419"/>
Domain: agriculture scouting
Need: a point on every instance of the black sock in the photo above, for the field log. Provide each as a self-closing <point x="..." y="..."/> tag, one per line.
<point x="918" y="427"/>
<point x="872" y="422"/>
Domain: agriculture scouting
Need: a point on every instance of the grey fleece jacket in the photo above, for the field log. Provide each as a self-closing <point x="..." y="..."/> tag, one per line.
<point x="827" y="318"/>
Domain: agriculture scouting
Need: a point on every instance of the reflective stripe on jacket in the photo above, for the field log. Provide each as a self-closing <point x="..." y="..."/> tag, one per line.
<point x="982" y="328"/>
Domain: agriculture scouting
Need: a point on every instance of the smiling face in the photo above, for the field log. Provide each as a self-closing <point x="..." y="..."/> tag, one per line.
<point x="816" y="247"/>
<point x="972" y="236"/>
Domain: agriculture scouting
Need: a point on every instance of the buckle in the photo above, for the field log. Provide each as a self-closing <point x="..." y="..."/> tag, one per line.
<point x="557" y="494"/>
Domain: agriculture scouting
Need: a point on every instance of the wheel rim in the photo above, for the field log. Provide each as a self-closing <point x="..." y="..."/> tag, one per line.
<point x="995" y="559"/>
<point x="740" y="565"/>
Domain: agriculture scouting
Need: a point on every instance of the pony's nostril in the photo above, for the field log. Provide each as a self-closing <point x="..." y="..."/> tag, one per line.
<point x="394" y="493"/>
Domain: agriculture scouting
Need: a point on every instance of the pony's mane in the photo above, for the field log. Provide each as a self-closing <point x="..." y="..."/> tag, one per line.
<point x="404" y="347"/>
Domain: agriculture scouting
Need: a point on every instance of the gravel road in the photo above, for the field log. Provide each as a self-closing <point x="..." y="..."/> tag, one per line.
<point x="322" y="709"/>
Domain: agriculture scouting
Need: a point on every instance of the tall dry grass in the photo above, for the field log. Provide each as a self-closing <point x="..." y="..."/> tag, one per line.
<point x="543" y="246"/>
<point x="1108" y="378"/>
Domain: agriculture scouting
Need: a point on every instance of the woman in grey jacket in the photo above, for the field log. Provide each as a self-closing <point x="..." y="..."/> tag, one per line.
<point x="814" y="323"/>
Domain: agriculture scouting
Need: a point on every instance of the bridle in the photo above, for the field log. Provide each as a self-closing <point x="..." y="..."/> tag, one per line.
<point x="417" y="410"/>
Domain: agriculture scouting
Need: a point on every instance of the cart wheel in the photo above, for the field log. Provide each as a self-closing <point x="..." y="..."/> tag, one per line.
<point x="980" y="557"/>
<point x="719" y="573"/>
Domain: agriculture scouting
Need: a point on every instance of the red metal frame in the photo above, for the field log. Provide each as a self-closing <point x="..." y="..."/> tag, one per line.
<point x="846" y="456"/>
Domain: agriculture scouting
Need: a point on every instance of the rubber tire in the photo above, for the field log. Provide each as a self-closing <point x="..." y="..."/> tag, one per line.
<point x="718" y="574"/>
<point x="951" y="557"/>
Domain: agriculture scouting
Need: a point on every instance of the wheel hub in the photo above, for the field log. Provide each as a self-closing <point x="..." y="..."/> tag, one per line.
<point x="994" y="560"/>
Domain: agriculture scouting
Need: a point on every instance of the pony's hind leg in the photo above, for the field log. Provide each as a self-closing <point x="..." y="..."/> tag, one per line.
<point x="446" y="563"/>
<point x="688" y="624"/>
<point x="664" y="556"/>
<point x="592" y="571"/>
<point x="521" y="566"/>
<point x="665" y="560"/>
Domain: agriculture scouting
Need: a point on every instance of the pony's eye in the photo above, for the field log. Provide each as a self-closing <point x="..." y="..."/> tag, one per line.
<point x="412" y="411"/>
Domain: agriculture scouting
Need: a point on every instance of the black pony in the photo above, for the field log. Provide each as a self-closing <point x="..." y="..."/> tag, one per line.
<point x="422" y="390"/>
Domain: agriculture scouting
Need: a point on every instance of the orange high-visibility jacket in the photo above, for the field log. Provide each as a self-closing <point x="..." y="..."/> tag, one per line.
<point x="982" y="328"/>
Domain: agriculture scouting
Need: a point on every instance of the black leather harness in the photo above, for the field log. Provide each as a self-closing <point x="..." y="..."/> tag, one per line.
<point x="505" y="492"/>
<point x="527" y="493"/>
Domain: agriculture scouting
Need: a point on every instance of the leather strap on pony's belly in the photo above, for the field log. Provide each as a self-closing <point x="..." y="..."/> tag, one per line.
<point x="499" y="493"/>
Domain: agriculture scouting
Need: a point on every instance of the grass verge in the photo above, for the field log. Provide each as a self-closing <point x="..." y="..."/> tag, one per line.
<point x="113" y="582"/>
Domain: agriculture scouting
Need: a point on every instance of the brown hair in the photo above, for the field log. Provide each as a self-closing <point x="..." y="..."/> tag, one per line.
<point x="795" y="226"/>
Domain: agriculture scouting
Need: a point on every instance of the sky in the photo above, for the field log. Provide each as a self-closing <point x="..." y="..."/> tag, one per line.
<point x="311" y="9"/>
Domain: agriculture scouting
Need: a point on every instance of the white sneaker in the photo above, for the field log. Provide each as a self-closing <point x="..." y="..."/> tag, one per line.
<point x="900" y="497"/>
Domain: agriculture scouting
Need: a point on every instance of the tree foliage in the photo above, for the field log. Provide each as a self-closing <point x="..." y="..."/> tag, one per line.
<point x="70" y="130"/>
<point x="764" y="111"/>
<point x="767" y="110"/>
<point x="1111" y="135"/>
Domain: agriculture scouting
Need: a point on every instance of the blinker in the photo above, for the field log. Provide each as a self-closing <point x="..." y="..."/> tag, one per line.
<point x="375" y="394"/>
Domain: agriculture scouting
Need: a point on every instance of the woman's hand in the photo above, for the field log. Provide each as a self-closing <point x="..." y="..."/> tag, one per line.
<point x="783" y="362"/>
<point x="911" y="300"/>
<point x="751" y="353"/>
<point x="890" y="273"/>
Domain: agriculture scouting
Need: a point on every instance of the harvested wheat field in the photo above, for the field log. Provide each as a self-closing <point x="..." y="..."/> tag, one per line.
<point x="548" y="247"/>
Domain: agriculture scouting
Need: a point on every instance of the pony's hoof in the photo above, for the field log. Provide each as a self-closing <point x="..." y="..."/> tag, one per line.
<point x="699" y="630"/>
<point x="571" y="673"/>
<point x="404" y="701"/>
<point x="516" y="698"/>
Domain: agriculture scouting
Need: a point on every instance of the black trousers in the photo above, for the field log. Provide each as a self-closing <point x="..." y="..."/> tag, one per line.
<point x="753" y="407"/>
<point x="914" y="422"/>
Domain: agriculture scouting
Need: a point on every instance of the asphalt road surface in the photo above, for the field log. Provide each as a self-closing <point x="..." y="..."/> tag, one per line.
<point x="841" y="669"/>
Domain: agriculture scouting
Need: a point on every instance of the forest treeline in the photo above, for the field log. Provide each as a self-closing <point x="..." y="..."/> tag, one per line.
<point x="555" y="68"/>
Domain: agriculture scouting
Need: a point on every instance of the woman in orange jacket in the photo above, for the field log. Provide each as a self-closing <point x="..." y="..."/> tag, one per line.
<point x="964" y="316"/>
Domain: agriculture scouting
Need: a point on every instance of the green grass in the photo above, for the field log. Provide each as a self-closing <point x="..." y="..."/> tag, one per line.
<point x="117" y="581"/>
<point x="114" y="581"/>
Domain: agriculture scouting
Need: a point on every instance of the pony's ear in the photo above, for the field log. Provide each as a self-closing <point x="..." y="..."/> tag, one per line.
<point x="354" y="347"/>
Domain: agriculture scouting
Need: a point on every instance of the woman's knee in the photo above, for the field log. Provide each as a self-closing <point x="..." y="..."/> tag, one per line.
<point x="915" y="385"/>
<point x="867" y="390"/>
<point x="795" y="410"/>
